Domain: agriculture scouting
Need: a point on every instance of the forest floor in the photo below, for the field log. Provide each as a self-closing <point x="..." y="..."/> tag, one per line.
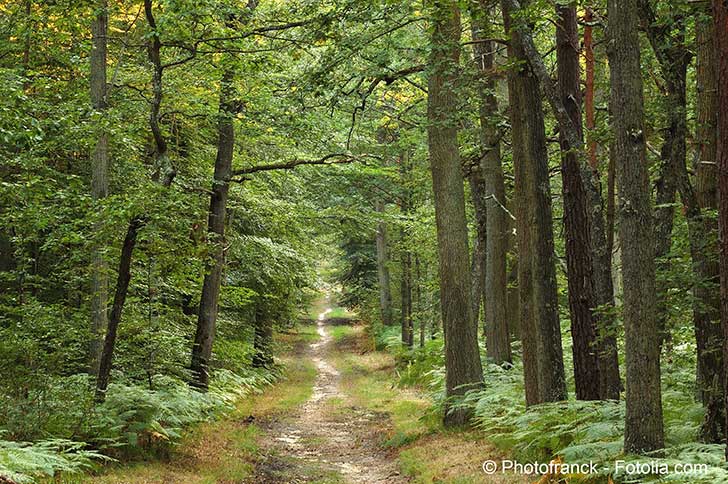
<point x="336" y="417"/>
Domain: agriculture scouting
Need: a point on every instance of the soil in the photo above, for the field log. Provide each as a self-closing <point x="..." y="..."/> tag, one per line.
<point x="323" y="442"/>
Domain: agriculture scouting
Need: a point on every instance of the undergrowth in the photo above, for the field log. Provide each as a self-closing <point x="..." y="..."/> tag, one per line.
<point x="134" y="420"/>
<point x="575" y="431"/>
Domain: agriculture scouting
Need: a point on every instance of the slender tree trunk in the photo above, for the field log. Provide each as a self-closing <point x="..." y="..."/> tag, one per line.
<point x="99" y="184"/>
<point x="601" y="235"/>
<point x="576" y="221"/>
<point x="551" y="378"/>
<point x="709" y="334"/>
<point x="673" y="57"/>
<point x="406" y="255"/>
<point x="720" y="18"/>
<point x="589" y="63"/>
<point x="463" y="370"/>
<point x="477" y="260"/>
<point x="406" y="293"/>
<point x="643" y="424"/>
<point x="672" y="53"/>
<point x="122" y="288"/>
<point x="518" y="82"/>
<point x="498" y="342"/>
<point x="385" y="291"/>
<point x="207" y="317"/>
<point x="418" y="301"/>
<point x="137" y="222"/>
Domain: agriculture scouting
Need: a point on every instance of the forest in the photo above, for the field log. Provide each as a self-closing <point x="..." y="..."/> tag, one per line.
<point x="366" y="241"/>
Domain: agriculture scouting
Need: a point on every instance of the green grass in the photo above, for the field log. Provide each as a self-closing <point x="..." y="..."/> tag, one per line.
<point x="339" y="312"/>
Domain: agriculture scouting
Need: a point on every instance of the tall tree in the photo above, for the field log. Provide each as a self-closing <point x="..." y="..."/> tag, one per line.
<point x="99" y="180"/>
<point x="498" y="343"/>
<point x="534" y="192"/>
<point x="164" y="173"/>
<point x="576" y="220"/>
<point x="405" y="169"/>
<point x="207" y="316"/>
<point x="720" y="19"/>
<point x="709" y="334"/>
<point x="673" y="55"/>
<point x="643" y="422"/>
<point x="477" y="259"/>
<point x="463" y="369"/>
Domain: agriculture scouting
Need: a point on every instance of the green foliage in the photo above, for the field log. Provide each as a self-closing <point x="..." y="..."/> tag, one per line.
<point x="22" y="461"/>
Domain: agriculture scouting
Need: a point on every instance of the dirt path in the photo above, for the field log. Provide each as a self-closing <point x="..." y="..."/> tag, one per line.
<point x="324" y="442"/>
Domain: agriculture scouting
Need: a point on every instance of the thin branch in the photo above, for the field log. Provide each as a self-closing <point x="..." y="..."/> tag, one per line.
<point x="330" y="159"/>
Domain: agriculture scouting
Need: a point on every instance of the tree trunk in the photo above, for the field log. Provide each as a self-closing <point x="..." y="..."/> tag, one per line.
<point x="463" y="370"/>
<point x="99" y="184"/>
<point x="418" y="301"/>
<point x="477" y="261"/>
<point x="406" y="254"/>
<point x="406" y="293"/>
<point x="498" y="342"/>
<point x="601" y="235"/>
<point x="539" y="219"/>
<point x="385" y="291"/>
<point x="643" y="423"/>
<point x="576" y="222"/>
<point x="709" y="335"/>
<point x="589" y="63"/>
<point x="207" y="317"/>
<point x="518" y="82"/>
<point x="262" y="340"/>
<point x="138" y="221"/>
<point x="122" y="288"/>
<point x="720" y="18"/>
<point x="674" y="61"/>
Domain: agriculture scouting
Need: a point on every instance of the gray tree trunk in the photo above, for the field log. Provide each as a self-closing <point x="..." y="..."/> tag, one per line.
<point x="99" y="184"/>
<point x="643" y="424"/>
<point x="463" y="369"/>
<point x="207" y="317"/>
<point x="535" y="195"/>
<point x="498" y="342"/>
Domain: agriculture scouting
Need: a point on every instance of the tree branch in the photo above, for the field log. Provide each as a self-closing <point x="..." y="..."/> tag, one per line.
<point x="330" y="159"/>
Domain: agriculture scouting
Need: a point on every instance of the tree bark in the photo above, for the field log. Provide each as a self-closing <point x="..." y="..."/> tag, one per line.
<point x="589" y="63"/>
<point x="207" y="317"/>
<point x="576" y="220"/>
<point x="518" y="82"/>
<point x="498" y="342"/>
<point x="385" y="291"/>
<point x="720" y="18"/>
<point x="643" y="423"/>
<point x="99" y="184"/>
<point x="539" y="219"/>
<point x="477" y="260"/>
<point x="709" y="335"/>
<point x="463" y="370"/>
<point x="571" y="138"/>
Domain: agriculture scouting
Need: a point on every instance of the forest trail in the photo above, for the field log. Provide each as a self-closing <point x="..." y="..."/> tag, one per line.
<point x="342" y="444"/>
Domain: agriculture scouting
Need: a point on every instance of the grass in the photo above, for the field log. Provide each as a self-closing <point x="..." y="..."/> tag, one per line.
<point x="225" y="450"/>
<point x="427" y="452"/>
